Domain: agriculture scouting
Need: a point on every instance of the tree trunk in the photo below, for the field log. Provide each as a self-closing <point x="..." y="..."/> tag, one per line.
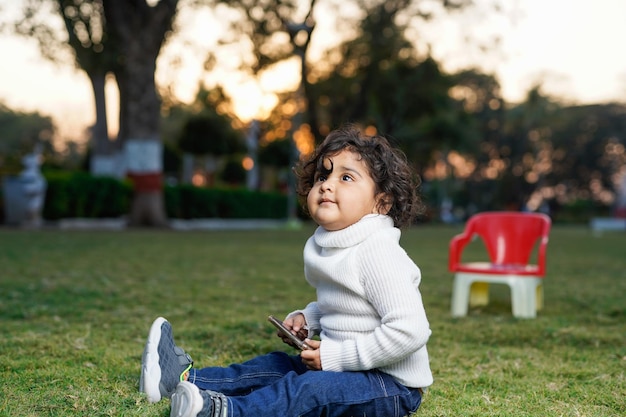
<point x="141" y="29"/>
<point x="105" y="159"/>
<point x="100" y="129"/>
<point x="142" y="143"/>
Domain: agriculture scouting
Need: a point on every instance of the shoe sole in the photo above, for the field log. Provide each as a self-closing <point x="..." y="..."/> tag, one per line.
<point x="150" y="369"/>
<point x="186" y="400"/>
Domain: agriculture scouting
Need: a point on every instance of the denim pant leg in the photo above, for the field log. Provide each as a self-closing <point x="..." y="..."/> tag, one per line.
<point x="302" y="393"/>
<point x="241" y="379"/>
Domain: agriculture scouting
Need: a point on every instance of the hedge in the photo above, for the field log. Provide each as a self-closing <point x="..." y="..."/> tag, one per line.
<point x="72" y="195"/>
<point x="189" y="202"/>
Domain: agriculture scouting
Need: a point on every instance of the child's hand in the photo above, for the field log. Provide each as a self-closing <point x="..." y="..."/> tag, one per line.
<point x="297" y="325"/>
<point x="311" y="357"/>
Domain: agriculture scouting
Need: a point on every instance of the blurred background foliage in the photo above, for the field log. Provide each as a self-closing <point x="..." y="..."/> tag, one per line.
<point x="473" y="150"/>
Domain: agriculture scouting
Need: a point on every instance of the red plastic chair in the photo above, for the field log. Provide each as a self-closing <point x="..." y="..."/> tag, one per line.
<point x="510" y="239"/>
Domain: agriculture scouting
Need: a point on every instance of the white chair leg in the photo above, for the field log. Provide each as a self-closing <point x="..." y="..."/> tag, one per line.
<point x="460" y="296"/>
<point x="523" y="297"/>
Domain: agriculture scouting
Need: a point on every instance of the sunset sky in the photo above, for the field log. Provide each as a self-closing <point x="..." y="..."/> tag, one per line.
<point x="573" y="44"/>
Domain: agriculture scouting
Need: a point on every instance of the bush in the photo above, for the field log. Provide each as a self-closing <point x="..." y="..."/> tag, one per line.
<point x="72" y="195"/>
<point x="580" y="211"/>
<point x="189" y="202"/>
<point x="83" y="195"/>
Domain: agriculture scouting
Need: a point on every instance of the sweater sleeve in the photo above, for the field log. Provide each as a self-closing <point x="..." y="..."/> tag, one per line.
<point x="390" y="280"/>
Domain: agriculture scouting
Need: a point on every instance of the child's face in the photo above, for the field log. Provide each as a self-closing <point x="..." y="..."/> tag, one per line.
<point x="341" y="197"/>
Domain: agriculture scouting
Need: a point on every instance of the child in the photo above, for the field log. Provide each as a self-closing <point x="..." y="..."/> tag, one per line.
<point x="371" y="359"/>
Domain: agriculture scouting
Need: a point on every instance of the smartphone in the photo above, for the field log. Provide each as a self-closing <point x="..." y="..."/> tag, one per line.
<point x="285" y="331"/>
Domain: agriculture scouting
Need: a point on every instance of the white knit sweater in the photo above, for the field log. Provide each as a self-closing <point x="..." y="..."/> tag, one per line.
<point x="369" y="312"/>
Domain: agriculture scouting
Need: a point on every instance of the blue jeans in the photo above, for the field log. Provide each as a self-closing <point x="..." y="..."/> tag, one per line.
<point x="278" y="384"/>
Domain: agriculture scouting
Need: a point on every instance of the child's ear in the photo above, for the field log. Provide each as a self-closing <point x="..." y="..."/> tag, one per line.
<point x="384" y="203"/>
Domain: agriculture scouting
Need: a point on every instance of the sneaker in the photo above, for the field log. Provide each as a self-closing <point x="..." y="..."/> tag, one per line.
<point x="189" y="401"/>
<point x="163" y="364"/>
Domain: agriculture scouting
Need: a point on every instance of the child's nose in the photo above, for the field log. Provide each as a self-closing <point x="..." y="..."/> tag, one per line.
<point x="326" y="185"/>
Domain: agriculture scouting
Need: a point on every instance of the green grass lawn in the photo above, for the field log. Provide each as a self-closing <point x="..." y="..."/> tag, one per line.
<point x="75" y="308"/>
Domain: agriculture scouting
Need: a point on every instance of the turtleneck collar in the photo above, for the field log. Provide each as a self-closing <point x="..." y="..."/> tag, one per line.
<point x="353" y="234"/>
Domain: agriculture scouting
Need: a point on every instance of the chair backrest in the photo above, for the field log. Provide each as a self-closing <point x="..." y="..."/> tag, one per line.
<point x="511" y="236"/>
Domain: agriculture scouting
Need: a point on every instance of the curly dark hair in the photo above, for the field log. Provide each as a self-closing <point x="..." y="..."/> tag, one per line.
<point x="387" y="165"/>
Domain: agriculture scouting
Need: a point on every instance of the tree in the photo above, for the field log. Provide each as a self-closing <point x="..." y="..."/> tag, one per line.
<point x="259" y="30"/>
<point x="588" y="154"/>
<point x="209" y="135"/>
<point x="378" y="78"/>
<point x="263" y="22"/>
<point x="526" y="147"/>
<point x="140" y="30"/>
<point x="93" y="52"/>
<point x="371" y="77"/>
<point x="478" y="96"/>
<point x="21" y="133"/>
<point x="125" y="38"/>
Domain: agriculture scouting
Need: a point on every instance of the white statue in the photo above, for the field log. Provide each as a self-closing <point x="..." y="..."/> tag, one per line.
<point x="34" y="188"/>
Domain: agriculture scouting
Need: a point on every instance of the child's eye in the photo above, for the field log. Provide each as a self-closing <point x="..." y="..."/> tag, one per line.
<point x="346" y="177"/>
<point x="321" y="178"/>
